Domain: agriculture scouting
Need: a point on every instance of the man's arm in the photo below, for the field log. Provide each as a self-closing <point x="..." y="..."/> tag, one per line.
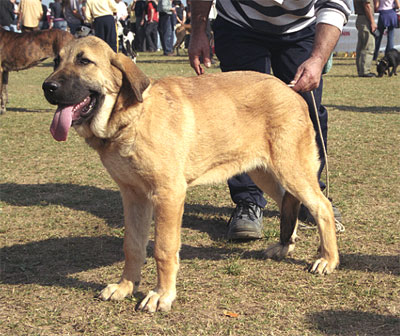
<point x="309" y="73"/>
<point x="369" y="13"/>
<point x="199" y="47"/>
<point x="331" y="16"/>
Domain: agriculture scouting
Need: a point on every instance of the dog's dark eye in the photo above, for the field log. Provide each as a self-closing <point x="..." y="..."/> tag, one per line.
<point x="81" y="60"/>
<point x="84" y="61"/>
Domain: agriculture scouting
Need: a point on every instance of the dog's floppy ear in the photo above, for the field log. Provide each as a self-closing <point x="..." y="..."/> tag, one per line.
<point x="136" y="79"/>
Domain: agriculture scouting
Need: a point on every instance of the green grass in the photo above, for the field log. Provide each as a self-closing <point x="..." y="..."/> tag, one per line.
<point x="61" y="230"/>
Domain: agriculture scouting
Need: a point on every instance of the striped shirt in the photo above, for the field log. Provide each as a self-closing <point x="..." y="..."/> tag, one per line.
<point x="284" y="16"/>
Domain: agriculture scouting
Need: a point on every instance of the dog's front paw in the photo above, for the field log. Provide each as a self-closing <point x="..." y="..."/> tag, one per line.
<point x="278" y="251"/>
<point x="116" y="291"/>
<point x="155" y="301"/>
<point x="323" y="266"/>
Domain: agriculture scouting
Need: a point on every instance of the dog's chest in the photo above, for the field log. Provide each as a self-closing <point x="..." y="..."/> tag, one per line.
<point x="123" y="168"/>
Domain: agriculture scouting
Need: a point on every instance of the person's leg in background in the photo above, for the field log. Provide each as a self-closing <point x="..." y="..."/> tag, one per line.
<point x="166" y="32"/>
<point x="365" y="47"/>
<point x="390" y="39"/>
<point x="111" y="32"/>
<point x="104" y="27"/>
<point x="378" y="37"/>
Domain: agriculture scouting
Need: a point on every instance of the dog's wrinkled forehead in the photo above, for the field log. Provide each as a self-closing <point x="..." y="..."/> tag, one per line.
<point x="91" y="48"/>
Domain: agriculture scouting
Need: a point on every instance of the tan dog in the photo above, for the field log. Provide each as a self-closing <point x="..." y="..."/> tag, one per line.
<point x="180" y="33"/>
<point x="158" y="139"/>
<point x="20" y="51"/>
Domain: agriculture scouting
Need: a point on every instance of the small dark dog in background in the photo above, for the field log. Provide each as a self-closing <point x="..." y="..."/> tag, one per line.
<point x="390" y="60"/>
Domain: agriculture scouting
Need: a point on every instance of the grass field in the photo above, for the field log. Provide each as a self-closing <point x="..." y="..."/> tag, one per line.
<point x="61" y="231"/>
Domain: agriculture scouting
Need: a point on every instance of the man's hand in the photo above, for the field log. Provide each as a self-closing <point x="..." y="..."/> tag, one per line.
<point x="199" y="47"/>
<point x="199" y="50"/>
<point x="308" y="75"/>
<point x="374" y="27"/>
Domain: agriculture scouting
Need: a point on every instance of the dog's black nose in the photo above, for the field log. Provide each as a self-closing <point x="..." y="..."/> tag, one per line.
<point x="50" y="87"/>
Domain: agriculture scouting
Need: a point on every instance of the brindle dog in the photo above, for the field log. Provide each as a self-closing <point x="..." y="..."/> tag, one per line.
<point x="19" y="51"/>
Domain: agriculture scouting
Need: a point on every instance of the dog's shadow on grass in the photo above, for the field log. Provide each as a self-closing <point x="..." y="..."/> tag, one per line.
<point x="351" y="322"/>
<point x="107" y="205"/>
<point x="365" y="109"/>
<point x="54" y="261"/>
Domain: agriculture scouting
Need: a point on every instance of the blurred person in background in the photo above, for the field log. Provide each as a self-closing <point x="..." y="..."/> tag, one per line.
<point x="73" y="15"/>
<point x="140" y="37"/>
<point x="100" y="13"/>
<point x="6" y="14"/>
<point x="366" y="27"/>
<point x="29" y="15"/>
<point x="57" y="19"/>
<point x="166" y="26"/>
<point x="150" y="22"/>
<point x="387" y="20"/>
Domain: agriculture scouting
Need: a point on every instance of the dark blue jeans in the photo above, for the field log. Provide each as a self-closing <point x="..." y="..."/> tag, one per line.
<point x="243" y="49"/>
<point x="166" y="31"/>
<point x="104" y="28"/>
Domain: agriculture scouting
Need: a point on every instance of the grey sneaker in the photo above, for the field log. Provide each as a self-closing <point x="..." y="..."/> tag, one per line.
<point x="309" y="222"/>
<point x="245" y="222"/>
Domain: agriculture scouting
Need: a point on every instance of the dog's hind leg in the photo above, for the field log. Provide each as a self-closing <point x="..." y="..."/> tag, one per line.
<point x="305" y="188"/>
<point x="288" y="226"/>
<point x="295" y="165"/>
<point x="168" y="210"/>
<point x="3" y="90"/>
<point x="5" y="85"/>
<point x="323" y="214"/>
<point x="289" y="208"/>
<point x="394" y="70"/>
<point x="268" y="183"/>
<point x="137" y="217"/>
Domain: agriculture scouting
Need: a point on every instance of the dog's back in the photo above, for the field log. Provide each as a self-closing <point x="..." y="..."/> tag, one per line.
<point x="19" y="51"/>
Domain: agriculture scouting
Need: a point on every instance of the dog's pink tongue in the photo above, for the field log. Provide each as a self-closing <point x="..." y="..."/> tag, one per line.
<point x="61" y="124"/>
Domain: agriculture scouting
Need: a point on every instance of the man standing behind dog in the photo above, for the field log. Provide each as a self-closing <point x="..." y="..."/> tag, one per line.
<point x="150" y="20"/>
<point x="30" y="12"/>
<point x="101" y="13"/>
<point x="6" y="14"/>
<point x="366" y="27"/>
<point x="295" y="39"/>
<point x="166" y="26"/>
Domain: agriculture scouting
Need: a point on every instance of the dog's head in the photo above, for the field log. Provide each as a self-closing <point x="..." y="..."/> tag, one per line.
<point x="92" y="86"/>
<point x="382" y="67"/>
